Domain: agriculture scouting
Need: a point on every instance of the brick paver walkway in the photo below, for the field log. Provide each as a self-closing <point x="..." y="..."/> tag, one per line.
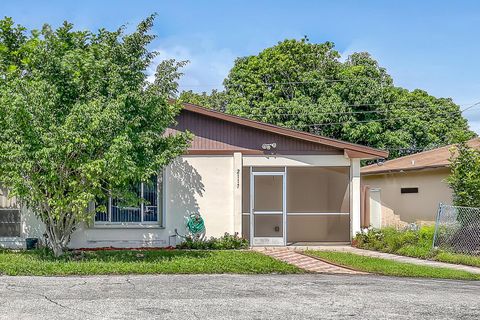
<point x="389" y="256"/>
<point x="304" y="262"/>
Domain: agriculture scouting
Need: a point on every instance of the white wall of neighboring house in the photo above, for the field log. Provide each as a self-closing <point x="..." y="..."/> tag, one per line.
<point x="410" y="207"/>
<point x="375" y="208"/>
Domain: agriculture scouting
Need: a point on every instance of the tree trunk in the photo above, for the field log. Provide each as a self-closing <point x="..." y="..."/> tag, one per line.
<point x="53" y="240"/>
<point x="57" y="250"/>
<point x="58" y="234"/>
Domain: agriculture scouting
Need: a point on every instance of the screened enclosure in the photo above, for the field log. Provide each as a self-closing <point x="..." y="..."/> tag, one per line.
<point x="317" y="203"/>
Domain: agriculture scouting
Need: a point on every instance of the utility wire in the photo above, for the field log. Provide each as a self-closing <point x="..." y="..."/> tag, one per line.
<point x="311" y="112"/>
<point x="367" y="121"/>
<point x="384" y="119"/>
<point x="470" y="107"/>
<point x="280" y="83"/>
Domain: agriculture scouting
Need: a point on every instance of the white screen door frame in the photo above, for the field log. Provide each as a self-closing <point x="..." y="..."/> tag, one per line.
<point x="268" y="241"/>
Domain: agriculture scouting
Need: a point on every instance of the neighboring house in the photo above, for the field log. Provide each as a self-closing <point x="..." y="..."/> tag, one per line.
<point x="298" y="187"/>
<point x="409" y="189"/>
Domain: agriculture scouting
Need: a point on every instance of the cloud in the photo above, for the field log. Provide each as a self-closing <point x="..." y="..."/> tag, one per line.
<point x="430" y="77"/>
<point x="207" y="68"/>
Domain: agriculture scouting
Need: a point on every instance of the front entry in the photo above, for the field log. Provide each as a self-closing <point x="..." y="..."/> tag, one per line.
<point x="268" y="208"/>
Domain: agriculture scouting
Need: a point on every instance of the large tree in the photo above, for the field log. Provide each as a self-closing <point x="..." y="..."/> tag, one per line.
<point x="78" y="120"/>
<point x="306" y="86"/>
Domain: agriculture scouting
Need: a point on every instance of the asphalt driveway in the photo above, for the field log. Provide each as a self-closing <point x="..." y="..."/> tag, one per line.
<point x="237" y="297"/>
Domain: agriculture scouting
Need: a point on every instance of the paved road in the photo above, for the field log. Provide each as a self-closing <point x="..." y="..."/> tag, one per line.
<point x="237" y="297"/>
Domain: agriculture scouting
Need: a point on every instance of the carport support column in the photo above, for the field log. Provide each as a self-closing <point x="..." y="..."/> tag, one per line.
<point x="355" y="195"/>
<point x="237" y="192"/>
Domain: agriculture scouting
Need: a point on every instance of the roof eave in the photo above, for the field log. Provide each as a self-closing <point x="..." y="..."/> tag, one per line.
<point x="351" y="149"/>
<point x="379" y="172"/>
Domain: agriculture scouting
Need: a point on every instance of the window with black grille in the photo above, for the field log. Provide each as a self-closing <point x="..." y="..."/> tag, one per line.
<point x="9" y="222"/>
<point x="148" y="210"/>
<point x="409" y="190"/>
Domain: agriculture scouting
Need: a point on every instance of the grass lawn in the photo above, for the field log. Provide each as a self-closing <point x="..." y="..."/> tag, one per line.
<point x="39" y="262"/>
<point x="417" y="244"/>
<point x="422" y="252"/>
<point x="390" y="268"/>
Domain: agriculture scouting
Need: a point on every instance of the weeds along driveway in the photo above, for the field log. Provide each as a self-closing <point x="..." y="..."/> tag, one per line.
<point x="308" y="296"/>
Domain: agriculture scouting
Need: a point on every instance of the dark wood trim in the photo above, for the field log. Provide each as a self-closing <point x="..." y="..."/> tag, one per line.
<point x="367" y="151"/>
<point x="223" y="152"/>
<point x="358" y="154"/>
<point x="256" y="152"/>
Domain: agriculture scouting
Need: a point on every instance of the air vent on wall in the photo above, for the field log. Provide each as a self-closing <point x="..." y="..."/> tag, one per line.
<point x="409" y="190"/>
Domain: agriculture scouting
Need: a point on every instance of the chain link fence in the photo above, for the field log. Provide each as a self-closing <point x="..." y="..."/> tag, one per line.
<point x="457" y="229"/>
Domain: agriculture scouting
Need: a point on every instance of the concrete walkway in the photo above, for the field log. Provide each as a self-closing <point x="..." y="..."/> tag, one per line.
<point x="389" y="256"/>
<point x="304" y="262"/>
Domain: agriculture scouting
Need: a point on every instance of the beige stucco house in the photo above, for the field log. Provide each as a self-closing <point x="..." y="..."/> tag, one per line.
<point x="408" y="189"/>
<point x="272" y="185"/>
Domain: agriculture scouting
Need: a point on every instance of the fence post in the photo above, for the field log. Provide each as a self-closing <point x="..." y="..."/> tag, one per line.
<point x="436" y="224"/>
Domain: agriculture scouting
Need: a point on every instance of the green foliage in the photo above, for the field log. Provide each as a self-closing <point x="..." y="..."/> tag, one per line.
<point x="227" y="241"/>
<point x="306" y="86"/>
<point x="464" y="179"/>
<point x="38" y="262"/>
<point x="78" y="118"/>
<point x="215" y="100"/>
<point x="391" y="268"/>
<point x="411" y="243"/>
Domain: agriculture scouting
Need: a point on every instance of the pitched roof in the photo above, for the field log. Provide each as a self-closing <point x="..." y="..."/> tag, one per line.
<point x="435" y="158"/>
<point x="352" y="150"/>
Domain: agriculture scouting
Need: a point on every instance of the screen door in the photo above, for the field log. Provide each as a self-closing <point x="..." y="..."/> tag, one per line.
<point x="267" y="196"/>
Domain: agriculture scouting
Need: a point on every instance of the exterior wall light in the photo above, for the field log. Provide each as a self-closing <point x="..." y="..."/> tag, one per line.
<point x="269" y="146"/>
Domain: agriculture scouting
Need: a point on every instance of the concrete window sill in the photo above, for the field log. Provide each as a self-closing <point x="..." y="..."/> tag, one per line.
<point x="127" y="226"/>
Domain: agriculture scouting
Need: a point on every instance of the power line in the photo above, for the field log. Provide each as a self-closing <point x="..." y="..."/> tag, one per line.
<point x="376" y="120"/>
<point x="419" y="107"/>
<point x="470" y="107"/>
<point x="407" y="103"/>
<point x="280" y="83"/>
<point x="356" y="105"/>
<point x="307" y="113"/>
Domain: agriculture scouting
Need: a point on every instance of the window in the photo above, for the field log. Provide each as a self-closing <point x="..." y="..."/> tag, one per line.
<point x="409" y="190"/>
<point x="9" y="215"/>
<point x="148" y="211"/>
<point x="9" y="222"/>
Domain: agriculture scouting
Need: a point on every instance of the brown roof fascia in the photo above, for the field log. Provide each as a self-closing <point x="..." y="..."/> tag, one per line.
<point x="352" y="149"/>
<point x="380" y="172"/>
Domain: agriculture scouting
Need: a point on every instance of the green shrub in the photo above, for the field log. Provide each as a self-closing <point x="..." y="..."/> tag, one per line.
<point x="392" y="240"/>
<point x="226" y="242"/>
<point x="464" y="179"/>
<point x="411" y="242"/>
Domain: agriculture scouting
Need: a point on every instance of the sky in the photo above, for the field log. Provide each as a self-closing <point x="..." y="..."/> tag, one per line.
<point x="431" y="44"/>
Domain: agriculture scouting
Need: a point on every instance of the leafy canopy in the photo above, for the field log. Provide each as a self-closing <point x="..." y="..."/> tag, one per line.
<point x="306" y="86"/>
<point x="464" y="179"/>
<point x="78" y="118"/>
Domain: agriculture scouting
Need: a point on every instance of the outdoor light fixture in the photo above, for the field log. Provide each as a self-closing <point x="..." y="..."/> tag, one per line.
<point x="269" y="146"/>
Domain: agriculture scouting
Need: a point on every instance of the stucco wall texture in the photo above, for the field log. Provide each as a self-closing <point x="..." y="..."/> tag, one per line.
<point x="194" y="184"/>
<point x="412" y="207"/>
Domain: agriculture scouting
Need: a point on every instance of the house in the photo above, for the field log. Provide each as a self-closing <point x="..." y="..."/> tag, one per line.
<point x="272" y="185"/>
<point x="409" y="189"/>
